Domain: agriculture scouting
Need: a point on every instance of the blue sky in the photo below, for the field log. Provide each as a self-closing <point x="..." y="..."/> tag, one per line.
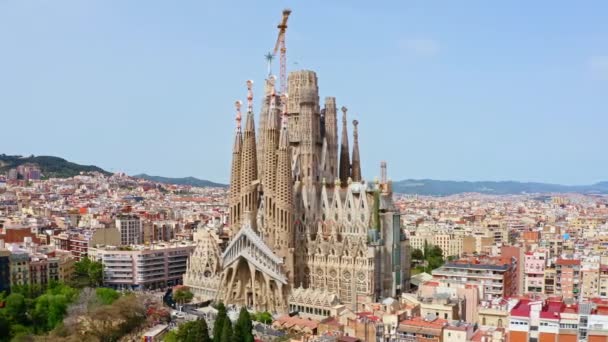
<point x="461" y="90"/>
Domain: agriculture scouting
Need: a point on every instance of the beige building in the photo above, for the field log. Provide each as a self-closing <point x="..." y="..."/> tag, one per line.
<point x="204" y="266"/>
<point x="451" y="244"/>
<point x="467" y="296"/>
<point x="493" y="314"/>
<point x="590" y="276"/>
<point x="442" y="305"/>
<point x="458" y="333"/>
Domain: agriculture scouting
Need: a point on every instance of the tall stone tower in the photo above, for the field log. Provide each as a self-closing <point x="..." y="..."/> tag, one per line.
<point x="356" y="161"/>
<point x="235" y="173"/>
<point x="344" y="152"/>
<point x="304" y="124"/>
<point x="331" y="137"/>
<point x="269" y="177"/>
<point x="249" y="166"/>
<point x="283" y="214"/>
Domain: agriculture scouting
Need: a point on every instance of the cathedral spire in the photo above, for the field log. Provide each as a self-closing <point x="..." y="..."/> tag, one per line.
<point x="249" y="167"/>
<point x="344" y="152"/>
<point x="269" y="176"/>
<point x="269" y="91"/>
<point x="284" y="204"/>
<point x="331" y="134"/>
<point x="235" y="172"/>
<point x="356" y="161"/>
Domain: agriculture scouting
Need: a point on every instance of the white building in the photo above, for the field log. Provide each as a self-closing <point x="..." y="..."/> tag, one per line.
<point x="143" y="267"/>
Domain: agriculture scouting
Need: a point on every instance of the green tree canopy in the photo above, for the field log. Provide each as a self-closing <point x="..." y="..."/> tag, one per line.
<point x="95" y="273"/>
<point x="226" y="332"/>
<point x="106" y="296"/>
<point x="88" y="273"/>
<point x="16" y="308"/>
<point x="182" y="295"/>
<point x="195" y="331"/>
<point x="263" y="317"/>
<point x="5" y="328"/>
<point x="417" y="254"/>
<point x="243" y="327"/>
<point x="218" y="325"/>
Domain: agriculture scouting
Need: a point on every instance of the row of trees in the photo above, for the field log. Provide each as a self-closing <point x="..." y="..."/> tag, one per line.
<point x="427" y="259"/>
<point x="32" y="313"/>
<point x="27" y="311"/>
<point x="223" y="330"/>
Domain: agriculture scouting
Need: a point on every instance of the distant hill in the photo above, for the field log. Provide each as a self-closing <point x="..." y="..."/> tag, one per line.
<point x="192" y="181"/>
<point x="51" y="167"/>
<point x="445" y="188"/>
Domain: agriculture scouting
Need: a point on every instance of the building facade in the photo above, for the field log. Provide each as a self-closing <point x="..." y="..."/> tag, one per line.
<point x="301" y="214"/>
<point x="143" y="267"/>
<point x="496" y="276"/>
<point x="130" y="228"/>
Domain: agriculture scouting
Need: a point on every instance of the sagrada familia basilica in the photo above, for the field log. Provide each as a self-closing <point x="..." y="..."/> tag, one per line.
<point x="308" y="232"/>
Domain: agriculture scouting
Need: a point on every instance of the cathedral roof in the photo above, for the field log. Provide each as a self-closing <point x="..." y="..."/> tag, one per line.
<point x="318" y="297"/>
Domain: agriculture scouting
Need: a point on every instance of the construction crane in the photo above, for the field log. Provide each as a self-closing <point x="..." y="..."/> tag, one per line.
<point x="280" y="46"/>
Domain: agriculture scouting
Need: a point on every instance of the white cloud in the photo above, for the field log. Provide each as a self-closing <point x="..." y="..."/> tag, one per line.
<point x="423" y="47"/>
<point x="599" y="67"/>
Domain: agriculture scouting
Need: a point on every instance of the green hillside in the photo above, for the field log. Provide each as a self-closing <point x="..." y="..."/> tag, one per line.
<point x="51" y="167"/>
<point x="192" y="181"/>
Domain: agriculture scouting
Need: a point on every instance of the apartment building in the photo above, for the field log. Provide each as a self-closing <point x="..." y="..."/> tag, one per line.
<point x="567" y="277"/>
<point x="553" y="320"/>
<point x="534" y="272"/>
<point x="77" y="241"/>
<point x="130" y="228"/>
<point x="444" y="306"/>
<point x="590" y="276"/>
<point x="20" y="268"/>
<point x="140" y="267"/>
<point x="419" y="329"/>
<point x="497" y="276"/>
<point x="5" y="271"/>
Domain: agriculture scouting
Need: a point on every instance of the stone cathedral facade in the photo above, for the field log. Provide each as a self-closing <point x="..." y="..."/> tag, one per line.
<point x="305" y="225"/>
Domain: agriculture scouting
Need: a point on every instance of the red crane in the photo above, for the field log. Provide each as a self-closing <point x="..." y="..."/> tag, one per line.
<point x="280" y="45"/>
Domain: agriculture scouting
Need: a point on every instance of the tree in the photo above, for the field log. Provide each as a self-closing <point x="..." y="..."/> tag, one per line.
<point x="88" y="273"/>
<point x="262" y="317"/>
<point x="218" y="325"/>
<point x="182" y="295"/>
<point x="436" y="251"/>
<point x="195" y="331"/>
<point x="82" y="267"/>
<point x="243" y="327"/>
<point x="171" y="336"/>
<point x="226" y="332"/>
<point x="16" y="308"/>
<point x="106" y="296"/>
<point x="417" y="254"/>
<point x="95" y="273"/>
<point x="5" y="328"/>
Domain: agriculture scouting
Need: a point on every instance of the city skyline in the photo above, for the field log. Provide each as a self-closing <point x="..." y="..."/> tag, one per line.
<point x="500" y="98"/>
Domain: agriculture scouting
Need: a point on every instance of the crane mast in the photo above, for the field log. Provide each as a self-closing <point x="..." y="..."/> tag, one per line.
<point x="280" y="47"/>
